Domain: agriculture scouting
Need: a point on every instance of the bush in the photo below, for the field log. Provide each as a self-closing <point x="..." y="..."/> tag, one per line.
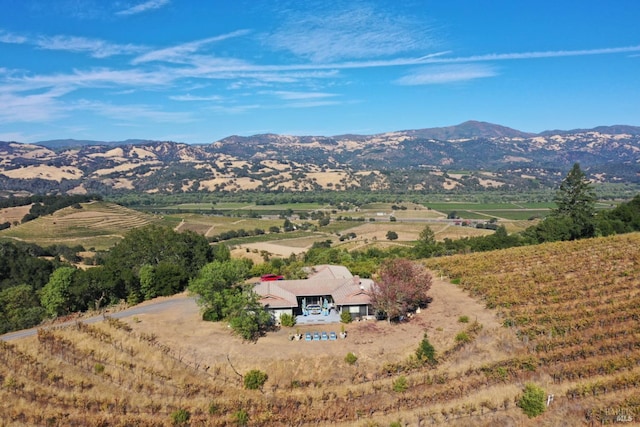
<point x="345" y="317"/>
<point x="533" y="400"/>
<point x="463" y="319"/>
<point x="426" y="352"/>
<point x="180" y="417"/>
<point x="351" y="358"/>
<point x="98" y="368"/>
<point x="400" y="384"/>
<point x="463" y="338"/>
<point x="242" y="417"/>
<point x="255" y="379"/>
<point x="288" y="320"/>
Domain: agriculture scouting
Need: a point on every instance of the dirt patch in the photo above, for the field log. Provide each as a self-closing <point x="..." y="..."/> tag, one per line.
<point x="373" y="342"/>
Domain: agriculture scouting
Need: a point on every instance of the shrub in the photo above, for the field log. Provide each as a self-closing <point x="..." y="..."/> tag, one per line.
<point x="345" y="317"/>
<point x="98" y="368"/>
<point x="351" y="358"/>
<point x="426" y="351"/>
<point x="400" y="384"/>
<point x="255" y="379"/>
<point x="214" y="408"/>
<point x="241" y="417"/>
<point x="287" y="319"/>
<point x="463" y="319"/>
<point x="180" y="417"/>
<point x="533" y="400"/>
<point x="463" y="338"/>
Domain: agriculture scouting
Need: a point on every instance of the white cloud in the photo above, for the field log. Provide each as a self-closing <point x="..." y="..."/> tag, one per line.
<point x="536" y="55"/>
<point x="11" y="38"/>
<point x="446" y="74"/>
<point x="132" y="113"/>
<point x="357" y="31"/>
<point x="143" y="7"/>
<point x="34" y="107"/>
<point x="195" y="98"/>
<point x="182" y="53"/>
<point x="96" y="48"/>
<point x="292" y="95"/>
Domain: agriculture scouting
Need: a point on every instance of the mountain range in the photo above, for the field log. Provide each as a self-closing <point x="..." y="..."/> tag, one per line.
<point x="470" y="156"/>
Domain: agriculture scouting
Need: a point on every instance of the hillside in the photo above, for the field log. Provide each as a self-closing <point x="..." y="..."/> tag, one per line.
<point x="489" y="156"/>
<point x="96" y="225"/>
<point x="569" y="312"/>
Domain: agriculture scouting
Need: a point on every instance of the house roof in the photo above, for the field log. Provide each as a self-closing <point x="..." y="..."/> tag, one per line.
<point x="334" y="280"/>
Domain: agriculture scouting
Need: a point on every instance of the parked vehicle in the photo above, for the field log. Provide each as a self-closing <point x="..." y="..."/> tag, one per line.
<point x="314" y="309"/>
<point x="271" y="277"/>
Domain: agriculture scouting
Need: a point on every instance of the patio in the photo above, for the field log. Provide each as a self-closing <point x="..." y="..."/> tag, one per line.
<point x="318" y="319"/>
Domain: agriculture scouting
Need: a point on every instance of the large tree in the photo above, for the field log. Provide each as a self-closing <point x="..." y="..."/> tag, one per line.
<point x="426" y="245"/>
<point x="402" y="287"/>
<point x="223" y="298"/>
<point x="575" y="200"/>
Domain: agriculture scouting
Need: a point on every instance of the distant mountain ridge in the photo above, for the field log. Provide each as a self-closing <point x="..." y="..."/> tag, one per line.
<point x="468" y="130"/>
<point x="429" y="160"/>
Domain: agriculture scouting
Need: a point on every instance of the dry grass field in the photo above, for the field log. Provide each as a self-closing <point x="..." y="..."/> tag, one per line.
<point x="571" y="314"/>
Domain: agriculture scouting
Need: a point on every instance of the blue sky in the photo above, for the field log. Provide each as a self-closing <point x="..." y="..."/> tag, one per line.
<point x="198" y="71"/>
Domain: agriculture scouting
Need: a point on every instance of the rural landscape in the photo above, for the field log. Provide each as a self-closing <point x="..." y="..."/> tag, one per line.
<point x="364" y="213"/>
<point x="529" y="317"/>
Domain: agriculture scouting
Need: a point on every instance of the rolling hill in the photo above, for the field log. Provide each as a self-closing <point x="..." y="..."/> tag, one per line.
<point x="489" y="156"/>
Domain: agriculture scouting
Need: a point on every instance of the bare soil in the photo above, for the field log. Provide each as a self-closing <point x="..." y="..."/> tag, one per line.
<point x="373" y="342"/>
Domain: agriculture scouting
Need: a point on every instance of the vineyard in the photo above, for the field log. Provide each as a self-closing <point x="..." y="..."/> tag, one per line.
<point x="570" y="324"/>
<point x="577" y="306"/>
<point x="96" y="224"/>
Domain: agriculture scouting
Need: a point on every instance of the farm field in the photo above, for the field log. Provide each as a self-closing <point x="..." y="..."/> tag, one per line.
<point x="100" y="225"/>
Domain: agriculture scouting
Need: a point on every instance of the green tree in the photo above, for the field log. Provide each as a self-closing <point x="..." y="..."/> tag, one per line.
<point x="392" y="235"/>
<point x="19" y="308"/>
<point x="575" y="199"/>
<point x="55" y="296"/>
<point x="426" y="245"/>
<point x="214" y="278"/>
<point x="533" y="400"/>
<point x="255" y="379"/>
<point x="426" y="352"/>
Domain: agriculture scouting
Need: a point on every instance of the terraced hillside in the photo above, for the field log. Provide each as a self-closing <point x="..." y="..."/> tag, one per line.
<point x="96" y="224"/>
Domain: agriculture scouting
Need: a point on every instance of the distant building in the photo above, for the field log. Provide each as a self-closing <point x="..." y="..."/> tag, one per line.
<point x="330" y="285"/>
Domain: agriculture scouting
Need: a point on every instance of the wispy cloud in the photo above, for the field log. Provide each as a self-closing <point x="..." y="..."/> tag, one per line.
<point x="43" y="106"/>
<point x="355" y="32"/>
<point x="96" y="48"/>
<point x="11" y="38"/>
<point x="446" y="74"/>
<point x="535" y="55"/>
<point x="143" y="7"/>
<point x="132" y="113"/>
<point x="182" y="53"/>
<point x="292" y="95"/>
<point x="189" y="98"/>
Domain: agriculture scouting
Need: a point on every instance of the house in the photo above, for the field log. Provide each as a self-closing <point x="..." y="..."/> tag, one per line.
<point x="330" y="286"/>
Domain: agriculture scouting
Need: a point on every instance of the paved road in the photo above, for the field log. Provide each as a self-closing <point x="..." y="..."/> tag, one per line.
<point x="149" y="307"/>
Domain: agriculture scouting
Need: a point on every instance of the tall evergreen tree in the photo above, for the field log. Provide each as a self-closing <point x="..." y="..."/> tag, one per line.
<point x="575" y="200"/>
